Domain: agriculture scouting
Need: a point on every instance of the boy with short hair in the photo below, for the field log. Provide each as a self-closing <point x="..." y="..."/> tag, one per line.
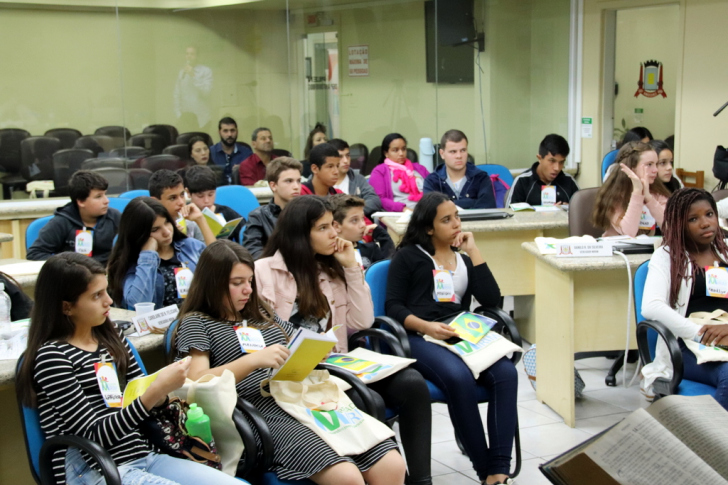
<point x="351" y="225"/>
<point x="201" y="184"/>
<point x="545" y="183"/>
<point x="466" y="185"/>
<point x="284" y="179"/>
<point x="324" y="160"/>
<point x="167" y="187"/>
<point x="85" y="225"/>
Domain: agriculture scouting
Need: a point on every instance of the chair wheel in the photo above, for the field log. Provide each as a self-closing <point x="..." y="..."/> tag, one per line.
<point x="611" y="381"/>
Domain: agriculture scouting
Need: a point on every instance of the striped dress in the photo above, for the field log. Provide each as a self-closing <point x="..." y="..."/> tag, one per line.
<point x="299" y="452"/>
<point x="70" y="403"/>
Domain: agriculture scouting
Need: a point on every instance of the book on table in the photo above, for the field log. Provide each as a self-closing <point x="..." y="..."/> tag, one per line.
<point x="678" y="439"/>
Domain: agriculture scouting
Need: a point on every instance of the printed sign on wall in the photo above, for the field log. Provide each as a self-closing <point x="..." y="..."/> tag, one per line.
<point x="358" y="60"/>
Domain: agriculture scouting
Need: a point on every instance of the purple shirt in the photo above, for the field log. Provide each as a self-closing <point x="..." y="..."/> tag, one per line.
<point x="381" y="180"/>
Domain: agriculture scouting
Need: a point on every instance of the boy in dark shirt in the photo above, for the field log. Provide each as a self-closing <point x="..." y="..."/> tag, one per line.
<point x="201" y="184"/>
<point x="86" y="225"/>
<point x="351" y="225"/>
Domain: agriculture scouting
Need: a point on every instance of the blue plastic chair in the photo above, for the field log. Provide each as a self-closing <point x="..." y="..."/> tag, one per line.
<point x="608" y="159"/>
<point x="503" y="172"/>
<point x="238" y="198"/>
<point x="118" y="203"/>
<point x="647" y="333"/>
<point x="376" y="278"/>
<point x="133" y="194"/>
<point x="31" y="234"/>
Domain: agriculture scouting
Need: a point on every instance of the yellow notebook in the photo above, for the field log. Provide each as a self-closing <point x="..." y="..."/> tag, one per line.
<point x="138" y="386"/>
<point x="218" y="226"/>
<point x="308" y="349"/>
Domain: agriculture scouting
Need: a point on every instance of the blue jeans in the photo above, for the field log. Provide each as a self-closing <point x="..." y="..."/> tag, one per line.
<point x="712" y="373"/>
<point x="449" y="373"/>
<point x="155" y="469"/>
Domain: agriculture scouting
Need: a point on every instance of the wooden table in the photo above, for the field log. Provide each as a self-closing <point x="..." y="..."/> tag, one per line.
<point x="581" y="306"/>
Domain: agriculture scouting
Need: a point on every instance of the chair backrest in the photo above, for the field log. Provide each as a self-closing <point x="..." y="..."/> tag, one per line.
<point x="179" y="150"/>
<point x="185" y="137"/>
<point x="36" y="154"/>
<point x="67" y="136"/>
<point x="94" y="163"/>
<point x="65" y="163"/>
<point x="608" y="159"/>
<point x="10" y="139"/>
<point x="160" y="162"/>
<point x="580" y="212"/>
<point x="279" y="152"/>
<point x="640" y="277"/>
<point x="168" y="340"/>
<point x="31" y="234"/>
<point x="698" y="176"/>
<point x="118" y="203"/>
<point x="133" y="194"/>
<point x="376" y="278"/>
<point x="89" y="143"/>
<point x="118" y="179"/>
<point x="236" y="174"/>
<point x="238" y="198"/>
<point x="139" y="178"/>
<point x="720" y="194"/>
<point x="129" y="152"/>
<point x="108" y="143"/>
<point x="169" y="132"/>
<point x="114" y="132"/>
<point x="151" y="142"/>
<point x="359" y="154"/>
<point x="503" y="172"/>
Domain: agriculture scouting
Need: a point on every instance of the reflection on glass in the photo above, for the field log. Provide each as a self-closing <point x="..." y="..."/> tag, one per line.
<point x="191" y="93"/>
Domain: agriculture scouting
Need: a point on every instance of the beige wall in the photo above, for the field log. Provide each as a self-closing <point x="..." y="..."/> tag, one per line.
<point x="701" y="85"/>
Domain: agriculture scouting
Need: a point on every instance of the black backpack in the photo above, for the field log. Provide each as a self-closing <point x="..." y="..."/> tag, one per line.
<point x="720" y="166"/>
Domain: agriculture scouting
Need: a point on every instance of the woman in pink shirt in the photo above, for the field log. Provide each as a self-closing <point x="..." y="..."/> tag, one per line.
<point x="632" y="200"/>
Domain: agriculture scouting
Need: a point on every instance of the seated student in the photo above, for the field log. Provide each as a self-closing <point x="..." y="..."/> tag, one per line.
<point x="397" y="181"/>
<point x="324" y="159"/>
<point x="350" y="224"/>
<point x="20" y="303"/>
<point x="168" y="187"/>
<point x="316" y="136"/>
<point x="252" y="168"/>
<point x="546" y="183"/>
<point x="228" y="152"/>
<point x="221" y="296"/>
<point x="88" y="210"/>
<point x="465" y="184"/>
<point x="665" y="163"/>
<point x="632" y="200"/>
<point x="693" y="242"/>
<point x="148" y="255"/>
<point x="199" y="152"/>
<point x="70" y="334"/>
<point x="284" y="179"/>
<point x="201" y="185"/>
<point x="430" y="243"/>
<point x="350" y="182"/>
<point x="638" y="133"/>
<point x="312" y="279"/>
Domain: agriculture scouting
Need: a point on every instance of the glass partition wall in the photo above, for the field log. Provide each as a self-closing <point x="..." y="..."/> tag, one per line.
<point x="495" y="69"/>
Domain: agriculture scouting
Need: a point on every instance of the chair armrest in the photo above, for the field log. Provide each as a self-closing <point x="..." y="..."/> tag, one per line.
<point x="672" y="347"/>
<point x="393" y="326"/>
<point x="509" y="327"/>
<point x="249" y="458"/>
<point x="379" y="336"/>
<point x="370" y="405"/>
<point x="261" y="426"/>
<point x="102" y="457"/>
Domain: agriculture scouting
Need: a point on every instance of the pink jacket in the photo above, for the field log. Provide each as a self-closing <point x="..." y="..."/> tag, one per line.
<point x="351" y="303"/>
<point x="628" y="223"/>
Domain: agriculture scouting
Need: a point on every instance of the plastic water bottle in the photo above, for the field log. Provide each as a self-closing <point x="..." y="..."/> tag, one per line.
<point x="427" y="150"/>
<point x="198" y="423"/>
<point x="4" y="312"/>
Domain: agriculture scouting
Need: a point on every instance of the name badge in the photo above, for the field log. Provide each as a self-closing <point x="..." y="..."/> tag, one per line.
<point x="84" y="243"/>
<point x="108" y="384"/>
<point x="548" y="194"/>
<point x="183" y="279"/>
<point x="357" y="255"/>
<point x="444" y="285"/>
<point x="182" y="225"/>
<point x="716" y="281"/>
<point x="647" y="222"/>
<point x="250" y="339"/>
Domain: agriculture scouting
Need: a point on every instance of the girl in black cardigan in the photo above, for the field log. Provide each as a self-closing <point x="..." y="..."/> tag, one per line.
<point x="431" y="245"/>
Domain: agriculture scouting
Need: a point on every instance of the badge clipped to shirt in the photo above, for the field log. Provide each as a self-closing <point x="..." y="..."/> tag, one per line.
<point x="250" y="339"/>
<point x="647" y="222"/>
<point x="357" y="255"/>
<point x="716" y="281"/>
<point x="548" y="194"/>
<point x="108" y="382"/>
<point x="183" y="279"/>
<point x="444" y="285"/>
<point x="84" y="243"/>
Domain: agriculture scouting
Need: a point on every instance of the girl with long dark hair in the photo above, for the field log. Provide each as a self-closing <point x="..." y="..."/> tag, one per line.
<point x="431" y="243"/>
<point x="693" y="242"/>
<point x="74" y="370"/>
<point x="149" y="255"/>
<point x="665" y="163"/>
<point x="223" y="301"/>
<point x="312" y="279"/>
<point x="398" y="181"/>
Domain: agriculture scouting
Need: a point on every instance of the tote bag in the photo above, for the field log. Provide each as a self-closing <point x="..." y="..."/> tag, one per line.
<point x="482" y="355"/>
<point x="705" y="353"/>
<point x="320" y="405"/>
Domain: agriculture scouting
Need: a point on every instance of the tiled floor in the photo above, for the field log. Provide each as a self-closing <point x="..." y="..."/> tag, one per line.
<point x="543" y="433"/>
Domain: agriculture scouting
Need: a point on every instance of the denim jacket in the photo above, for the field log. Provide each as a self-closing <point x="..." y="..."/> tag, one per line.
<point x="145" y="283"/>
